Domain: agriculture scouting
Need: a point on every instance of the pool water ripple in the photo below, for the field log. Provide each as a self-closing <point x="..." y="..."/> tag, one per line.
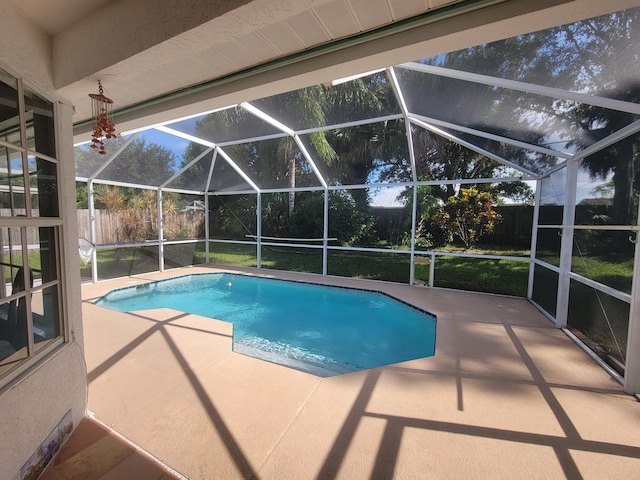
<point x="320" y="329"/>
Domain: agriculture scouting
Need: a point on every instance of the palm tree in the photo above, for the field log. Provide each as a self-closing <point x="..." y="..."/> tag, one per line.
<point x="111" y="198"/>
<point x="304" y="108"/>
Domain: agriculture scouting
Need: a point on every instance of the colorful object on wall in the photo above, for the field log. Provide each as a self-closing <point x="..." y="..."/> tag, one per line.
<point x="103" y="126"/>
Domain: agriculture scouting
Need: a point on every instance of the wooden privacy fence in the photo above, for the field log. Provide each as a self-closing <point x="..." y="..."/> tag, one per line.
<point x="134" y="226"/>
<point x="514" y="229"/>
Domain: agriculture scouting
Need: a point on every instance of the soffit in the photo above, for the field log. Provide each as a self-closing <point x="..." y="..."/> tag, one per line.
<point x="55" y="16"/>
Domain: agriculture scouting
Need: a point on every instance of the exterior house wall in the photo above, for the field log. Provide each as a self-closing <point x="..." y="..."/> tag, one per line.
<point x="34" y="404"/>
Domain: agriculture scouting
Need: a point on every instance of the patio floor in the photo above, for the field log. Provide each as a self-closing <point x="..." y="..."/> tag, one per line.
<point x="506" y="396"/>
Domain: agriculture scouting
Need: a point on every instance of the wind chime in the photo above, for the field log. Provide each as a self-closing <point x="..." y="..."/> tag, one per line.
<point x="103" y="126"/>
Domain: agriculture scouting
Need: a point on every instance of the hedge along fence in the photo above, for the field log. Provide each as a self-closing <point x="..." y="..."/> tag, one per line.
<point x="134" y="226"/>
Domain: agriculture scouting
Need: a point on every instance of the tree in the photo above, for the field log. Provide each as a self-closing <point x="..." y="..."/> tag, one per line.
<point x="369" y="152"/>
<point x="499" y="111"/>
<point x="606" y="47"/>
<point x="141" y="162"/>
<point x="110" y="198"/>
<point x="468" y="216"/>
<point x="268" y="160"/>
<point x="305" y="107"/>
<point x="597" y="56"/>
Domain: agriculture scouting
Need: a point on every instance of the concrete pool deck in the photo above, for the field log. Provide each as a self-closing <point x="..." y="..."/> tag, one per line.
<point x="506" y="396"/>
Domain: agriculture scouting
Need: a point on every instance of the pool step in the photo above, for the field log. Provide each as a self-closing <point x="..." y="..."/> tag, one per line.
<point x="291" y="357"/>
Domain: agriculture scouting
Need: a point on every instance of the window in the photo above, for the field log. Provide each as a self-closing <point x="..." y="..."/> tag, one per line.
<point x="30" y="223"/>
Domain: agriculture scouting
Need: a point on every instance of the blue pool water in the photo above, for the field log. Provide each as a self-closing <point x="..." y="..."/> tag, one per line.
<point x="323" y="330"/>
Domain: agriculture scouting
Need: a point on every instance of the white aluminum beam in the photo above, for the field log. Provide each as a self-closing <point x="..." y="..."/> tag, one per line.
<point x="186" y="167"/>
<point x="261" y="138"/>
<point x="160" y="230"/>
<point x="210" y="175"/>
<point x="473" y="147"/>
<point x="186" y="136"/>
<point x="307" y="156"/>
<point x="266" y="118"/>
<point x="491" y="136"/>
<point x="534" y="238"/>
<point x="632" y="363"/>
<point x="393" y="79"/>
<point x="233" y="164"/>
<point x="355" y="123"/>
<point x="585" y="98"/>
<point x="566" y="245"/>
<point x="615" y="137"/>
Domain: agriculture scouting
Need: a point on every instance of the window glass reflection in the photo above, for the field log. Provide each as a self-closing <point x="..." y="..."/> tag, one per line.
<point x="40" y="126"/>
<point x="600" y="320"/>
<point x="545" y="288"/>
<point x="43" y="182"/>
<point x="232" y="217"/>
<point x="42" y="253"/>
<point x="9" y="118"/>
<point x="13" y="325"/>
<point x="46" y="315"/>
<point x="12" y="197"/>
<point x="607" y="184"/>
<point x="548" y="245"/>
<point x="552" y="198"/>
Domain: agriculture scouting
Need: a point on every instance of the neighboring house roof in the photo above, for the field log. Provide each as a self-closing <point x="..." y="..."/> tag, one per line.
<point x="388" y="198"/>
<point x="195" y="205"/>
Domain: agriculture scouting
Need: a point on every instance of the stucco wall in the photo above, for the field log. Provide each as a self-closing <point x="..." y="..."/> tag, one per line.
<point x="24" y="47"/>
<point x="34" y="404"/>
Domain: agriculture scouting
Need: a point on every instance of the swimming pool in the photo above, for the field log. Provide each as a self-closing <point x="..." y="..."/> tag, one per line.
<point x="323" y="330"/>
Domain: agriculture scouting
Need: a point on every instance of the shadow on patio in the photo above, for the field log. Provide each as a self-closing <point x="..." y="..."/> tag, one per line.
<point x="506" y="396"/>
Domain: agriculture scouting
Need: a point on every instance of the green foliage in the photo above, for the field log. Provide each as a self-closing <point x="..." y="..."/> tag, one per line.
<point x="347" y="222"/>
<point x="139" y="163"/>
<point x="468" y="216"/>
<point x="428" y="204"/>
<point x="232" y="217"/>
<point x="82" y="196"/>
<point x="110" y="198"/>
<point x="307" y="220"/>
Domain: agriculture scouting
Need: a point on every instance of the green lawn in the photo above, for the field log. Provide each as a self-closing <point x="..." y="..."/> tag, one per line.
<point x="509" y="277"/>
<point x="476" y="274"/>
<point x="494" y="276"/>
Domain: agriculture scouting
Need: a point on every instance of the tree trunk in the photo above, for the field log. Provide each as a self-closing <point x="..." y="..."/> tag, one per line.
<point x="621" y="212"/>
<point x="292" y="184"/>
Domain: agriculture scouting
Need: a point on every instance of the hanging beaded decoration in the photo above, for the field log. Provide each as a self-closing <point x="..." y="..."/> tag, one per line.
<point x="103" y="126"/>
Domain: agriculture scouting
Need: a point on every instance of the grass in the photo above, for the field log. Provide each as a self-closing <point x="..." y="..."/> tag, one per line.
<point x="507" y="277"/>
<point x="601" y="318"/>
<point x="612" y="269"/>
<point x="34" y="264"/>
<point x="390" y="267"/>
<point x="486" y="250"/>
<point x="114" y="263"/>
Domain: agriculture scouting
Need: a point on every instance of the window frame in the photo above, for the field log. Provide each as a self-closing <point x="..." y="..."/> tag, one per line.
<point x="36" y="351"/>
